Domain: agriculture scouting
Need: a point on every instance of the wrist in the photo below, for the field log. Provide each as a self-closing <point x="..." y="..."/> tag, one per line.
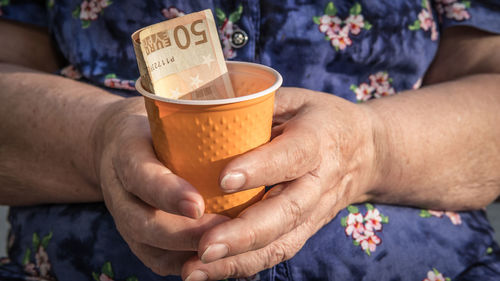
<point x="114" y="122"/>
<point x="102" y="129"/>
<point x="379" y="158"/>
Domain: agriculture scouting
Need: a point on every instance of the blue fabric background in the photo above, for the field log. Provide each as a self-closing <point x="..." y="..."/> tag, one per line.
<point x="283" y="35"/>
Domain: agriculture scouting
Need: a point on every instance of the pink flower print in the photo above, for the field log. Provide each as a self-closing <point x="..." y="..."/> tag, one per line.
<point x="362" y="228"/>
<point x="457" y="11"/>
<point x="436" y="213"/>
<point x="435" y="275"/>
<point x="434" y="32"/>
<point x="30" y="269"/>
<point x="104" y="277"/>
<point x="431" y="276"/>
<point x="71" y="72"/>
<point x="370" y="242"/>
<point x="454" y="217"/>
<point x="89" y="10"/>
<point x="355" y="23"/>
<point x="453" y="9"/>
<point x="337" y="31"/>
<point x="364" y="92"/>
<point x="225" y="33"/>
<point x="384" y="90"/>
<point x="425" y="19"/>
<point x="355" y="226"/>
<point x="341" y="39"/>
<point x="227" y="50"/>
<point x="42" y="261"/>
<point x="172" y="12"/>
<point x="417" y="84"/>
<point x="378" y="79"/>
<point x="379" y="86"/>
<point x="112" y="81"/>
<point x="226" y="29"/>
<point x="373" y="220"/>
<point x="329" y="23"/>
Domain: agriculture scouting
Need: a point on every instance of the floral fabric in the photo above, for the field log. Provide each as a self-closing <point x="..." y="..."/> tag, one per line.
<point x="358" y="50"/>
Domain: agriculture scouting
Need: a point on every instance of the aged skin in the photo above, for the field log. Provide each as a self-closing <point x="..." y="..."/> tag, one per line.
<point x="442" y="139"/>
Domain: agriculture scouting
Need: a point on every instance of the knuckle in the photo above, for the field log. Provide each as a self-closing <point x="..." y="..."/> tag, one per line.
<point x="148" y="222"/>
<point x="274" y="255"/>
<point x="140" y="225"/>
<point x="231" y="269"/>
<point x="282" y="251"/>
<point x="252" y="238"/>
<point x="292" y="211"/>
<point x="127" y="165"/>
<point x="303" y="157"/>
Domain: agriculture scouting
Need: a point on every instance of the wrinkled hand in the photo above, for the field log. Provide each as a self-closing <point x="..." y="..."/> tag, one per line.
<point x="155" y="211"/>
<point x="322" y="156"/>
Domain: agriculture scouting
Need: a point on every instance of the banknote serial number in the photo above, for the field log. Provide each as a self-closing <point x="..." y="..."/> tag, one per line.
<point x="161" y="63"/>
<point x="182" y="38"/>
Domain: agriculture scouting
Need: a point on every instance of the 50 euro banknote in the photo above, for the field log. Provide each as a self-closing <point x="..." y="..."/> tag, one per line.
<point x="182" y="58"/>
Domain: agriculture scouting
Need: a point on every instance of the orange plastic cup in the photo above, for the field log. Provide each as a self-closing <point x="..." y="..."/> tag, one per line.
<point x="195" y="139"/>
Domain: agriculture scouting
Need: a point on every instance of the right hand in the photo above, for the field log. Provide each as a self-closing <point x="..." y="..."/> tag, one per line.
<point x="158" y="214"/>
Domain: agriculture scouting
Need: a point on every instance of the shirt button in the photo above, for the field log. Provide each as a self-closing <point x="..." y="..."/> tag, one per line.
<point x="239" y="39"/>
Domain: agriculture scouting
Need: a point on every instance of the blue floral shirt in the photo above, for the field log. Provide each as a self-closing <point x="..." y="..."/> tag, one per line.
<point x="358" y="50"/>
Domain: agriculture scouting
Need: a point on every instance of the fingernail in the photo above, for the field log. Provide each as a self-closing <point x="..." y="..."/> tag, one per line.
<point x="189" y="209"/>
<point x="233" y="181"/>
<point x="197" y="275"/>
<point x="214" y="252"/>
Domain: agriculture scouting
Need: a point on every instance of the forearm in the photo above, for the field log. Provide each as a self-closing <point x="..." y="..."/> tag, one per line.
<point x="46" y="137"/>
<point x="440" y="145"/>
<point x="28" y="45"/>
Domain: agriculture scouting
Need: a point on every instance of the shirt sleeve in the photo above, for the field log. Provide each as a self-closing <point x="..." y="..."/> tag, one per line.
<point x="32" y="12"/>
<point x="481" y="14"/>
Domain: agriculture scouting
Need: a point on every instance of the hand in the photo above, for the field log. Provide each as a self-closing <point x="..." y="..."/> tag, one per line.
<point x="157" y="213"/>
<point x="322" y="156"/>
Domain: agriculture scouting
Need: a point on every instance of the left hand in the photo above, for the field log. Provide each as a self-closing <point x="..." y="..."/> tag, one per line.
<point x="322" y="156"/>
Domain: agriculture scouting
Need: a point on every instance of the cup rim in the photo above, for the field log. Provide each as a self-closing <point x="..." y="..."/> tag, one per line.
<point x="274" y="87"/>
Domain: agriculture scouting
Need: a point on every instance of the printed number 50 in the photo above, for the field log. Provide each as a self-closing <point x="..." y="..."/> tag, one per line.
<point x="183" y="29"/>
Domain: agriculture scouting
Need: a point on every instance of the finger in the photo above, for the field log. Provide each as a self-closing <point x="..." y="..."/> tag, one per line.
<point x="288" y="101"/>
<point x="248" y="263"/>
<point x="142" y="174"/>
<point x="243" y="265"/>
<point x="144" y="224"/>
<point x="262" y="223"/>
<point x="284" y="248"/>
<point x="161" y="262"/>
<point x="287" y="157"/>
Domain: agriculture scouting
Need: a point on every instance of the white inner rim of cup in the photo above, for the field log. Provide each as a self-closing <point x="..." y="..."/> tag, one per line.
<point x="274" y="87"/>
